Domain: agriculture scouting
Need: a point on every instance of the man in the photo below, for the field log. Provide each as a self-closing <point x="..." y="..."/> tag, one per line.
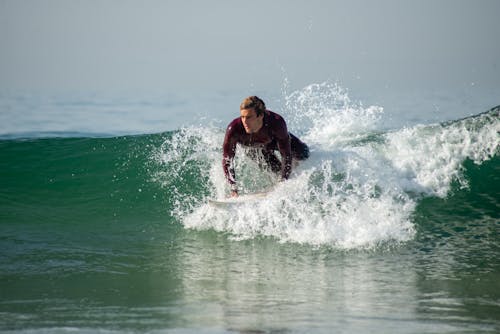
<point x="266" y="131"/>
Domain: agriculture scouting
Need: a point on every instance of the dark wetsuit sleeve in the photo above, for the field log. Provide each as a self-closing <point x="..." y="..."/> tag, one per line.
<point x="282" y="137"/>
<point x="228" y="152"/>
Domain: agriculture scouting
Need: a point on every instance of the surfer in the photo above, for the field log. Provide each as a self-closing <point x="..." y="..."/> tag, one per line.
<point x="266" y="132"/>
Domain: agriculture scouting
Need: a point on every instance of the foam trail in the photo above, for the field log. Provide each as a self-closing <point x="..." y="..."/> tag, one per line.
<point x="359" y="188"/>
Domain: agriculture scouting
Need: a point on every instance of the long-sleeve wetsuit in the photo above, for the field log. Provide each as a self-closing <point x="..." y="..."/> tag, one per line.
<point x="272" y="136"/>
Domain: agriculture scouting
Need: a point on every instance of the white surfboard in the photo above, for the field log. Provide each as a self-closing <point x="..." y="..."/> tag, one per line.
<point x="241" y="199"/>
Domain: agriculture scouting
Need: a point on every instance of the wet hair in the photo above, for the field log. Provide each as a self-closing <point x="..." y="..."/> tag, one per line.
<point x="255" y="103"/>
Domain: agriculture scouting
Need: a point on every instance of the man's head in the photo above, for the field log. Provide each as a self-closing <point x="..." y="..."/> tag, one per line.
<point x="255" y="103"/>
<point x="252" y="113"/>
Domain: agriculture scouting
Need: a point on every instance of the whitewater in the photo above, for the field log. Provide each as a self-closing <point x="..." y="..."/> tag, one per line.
<point x="359" y="188"/>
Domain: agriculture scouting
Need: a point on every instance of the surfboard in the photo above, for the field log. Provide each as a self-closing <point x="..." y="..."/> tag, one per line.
<point x="241" y="199"/>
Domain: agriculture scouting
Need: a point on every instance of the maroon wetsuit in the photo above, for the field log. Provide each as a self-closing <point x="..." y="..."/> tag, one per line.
<point x="271" y="137"/>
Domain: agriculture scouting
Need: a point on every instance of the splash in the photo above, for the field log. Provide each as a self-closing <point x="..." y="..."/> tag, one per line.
<point x="326" y="117"/>
<point x="358" y="189"/>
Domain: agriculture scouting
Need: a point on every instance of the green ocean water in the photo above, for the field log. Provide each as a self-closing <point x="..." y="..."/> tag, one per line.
<point x="115" y="235"/>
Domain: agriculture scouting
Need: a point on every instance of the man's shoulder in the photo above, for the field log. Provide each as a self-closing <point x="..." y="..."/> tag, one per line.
<point x="235" y="122"/>
<point x="275" y="121"/>
<point x="273" y="114"/>
<point x="235" y="125"/>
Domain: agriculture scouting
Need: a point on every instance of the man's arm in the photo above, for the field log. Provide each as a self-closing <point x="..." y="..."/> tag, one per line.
<point x="228" y="152"/>
<point x="284" y="146"/>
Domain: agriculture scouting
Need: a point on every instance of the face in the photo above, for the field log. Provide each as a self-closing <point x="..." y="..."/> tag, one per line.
<point x="251" y="122"/>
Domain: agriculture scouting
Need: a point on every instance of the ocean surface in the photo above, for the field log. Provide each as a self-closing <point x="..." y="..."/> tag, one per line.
<point x="391" y="226"/>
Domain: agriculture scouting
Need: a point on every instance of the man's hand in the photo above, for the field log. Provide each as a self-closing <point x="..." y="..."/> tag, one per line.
<point x="234" y="193"/>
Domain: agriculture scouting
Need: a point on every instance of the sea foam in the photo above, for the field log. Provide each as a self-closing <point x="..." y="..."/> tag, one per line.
<point x="358" y="189"/>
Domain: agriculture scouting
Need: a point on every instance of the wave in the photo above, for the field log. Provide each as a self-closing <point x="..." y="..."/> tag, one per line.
<point x="363" y="185"/>
<point x="360" y="187"/>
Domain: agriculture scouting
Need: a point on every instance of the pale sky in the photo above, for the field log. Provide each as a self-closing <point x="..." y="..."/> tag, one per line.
<point x="190" y="46"/>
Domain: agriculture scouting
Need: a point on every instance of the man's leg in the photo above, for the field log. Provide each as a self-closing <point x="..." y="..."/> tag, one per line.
<point x="300" y="150"/>
<point x="272" y="160"/>
<point x="265" y="158"/>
